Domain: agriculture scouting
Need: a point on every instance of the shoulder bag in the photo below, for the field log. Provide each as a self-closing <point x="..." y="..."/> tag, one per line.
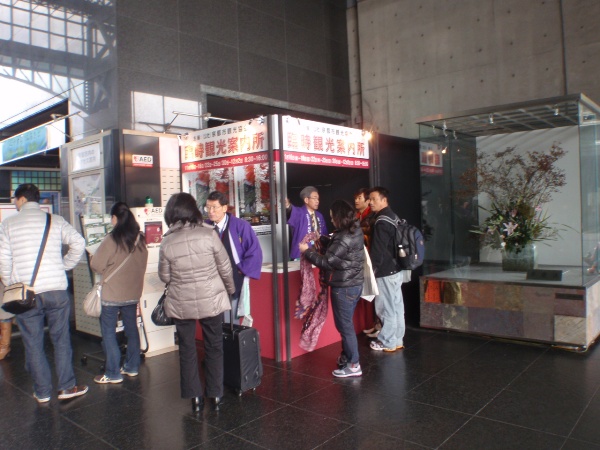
<point x="159" y="317"/>
<point x="92" y="304"/>
<point x="370" y="290"/>
<point x="20" y="297"/>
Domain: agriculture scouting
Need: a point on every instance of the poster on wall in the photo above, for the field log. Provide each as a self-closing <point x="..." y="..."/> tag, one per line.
<point x="246" y="187"/>
<point x="87" y="195"/>
<point x="202" y="183"/>
<point x="254" y="196"/>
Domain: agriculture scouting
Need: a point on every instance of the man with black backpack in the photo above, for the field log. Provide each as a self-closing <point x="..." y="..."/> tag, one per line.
<point x="389" y="304"/>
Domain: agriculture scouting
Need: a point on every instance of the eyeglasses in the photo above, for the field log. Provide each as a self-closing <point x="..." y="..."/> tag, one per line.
<point x="212" y="208"/>
<point x="313" y="198"/>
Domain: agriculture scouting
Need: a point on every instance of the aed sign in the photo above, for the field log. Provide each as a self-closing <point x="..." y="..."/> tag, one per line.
<point x="142" y="160"/>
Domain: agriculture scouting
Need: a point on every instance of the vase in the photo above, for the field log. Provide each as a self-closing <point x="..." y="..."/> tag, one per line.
<point x="523" y="261"/>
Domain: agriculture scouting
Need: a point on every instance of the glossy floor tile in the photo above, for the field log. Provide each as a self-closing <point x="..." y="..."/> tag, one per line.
<point x="444" y="390"/>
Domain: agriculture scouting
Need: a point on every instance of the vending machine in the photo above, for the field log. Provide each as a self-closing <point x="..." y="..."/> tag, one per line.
<point x="152" y="224"/>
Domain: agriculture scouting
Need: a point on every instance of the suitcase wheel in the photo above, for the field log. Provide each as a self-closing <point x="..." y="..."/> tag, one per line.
<point x="238" y="392"/>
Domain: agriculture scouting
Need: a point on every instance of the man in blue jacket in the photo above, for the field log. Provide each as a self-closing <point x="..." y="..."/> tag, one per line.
<point x="241" y="244"/>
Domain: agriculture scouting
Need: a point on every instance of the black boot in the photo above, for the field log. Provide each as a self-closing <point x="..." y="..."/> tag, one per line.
<point x="197" y="404"/>
<point x="216" y="402"/>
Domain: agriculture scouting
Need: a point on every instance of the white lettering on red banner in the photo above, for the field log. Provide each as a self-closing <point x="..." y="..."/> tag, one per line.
<point x="325" y="160"/>
<point x="220" y="147"/>
<point x="426" y="170"/>
<point x="142" y="160"/>
<point x="219" y="163"/>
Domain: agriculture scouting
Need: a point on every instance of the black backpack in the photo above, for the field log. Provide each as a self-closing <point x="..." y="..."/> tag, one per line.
<point x="409" y="241"/>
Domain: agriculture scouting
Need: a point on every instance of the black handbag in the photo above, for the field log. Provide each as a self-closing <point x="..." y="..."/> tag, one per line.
<point x="159" y="318"/>
<point x="20" y="297"/>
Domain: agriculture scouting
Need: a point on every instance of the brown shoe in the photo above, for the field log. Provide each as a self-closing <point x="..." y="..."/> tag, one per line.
<point x="75" y="391"/>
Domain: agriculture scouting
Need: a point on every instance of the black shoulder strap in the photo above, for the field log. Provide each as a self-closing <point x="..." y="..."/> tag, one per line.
<point x="42" y="247"/>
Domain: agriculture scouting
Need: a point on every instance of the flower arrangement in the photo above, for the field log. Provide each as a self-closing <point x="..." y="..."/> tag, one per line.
<point x="518" y="185"/>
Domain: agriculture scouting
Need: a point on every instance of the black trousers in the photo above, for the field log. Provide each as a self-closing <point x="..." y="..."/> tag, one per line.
<point x="212" y="331"/>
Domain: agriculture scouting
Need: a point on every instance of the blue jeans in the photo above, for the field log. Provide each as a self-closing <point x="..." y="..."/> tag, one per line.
<point x="108" y="326"/>
<point x="55" y="306"/>
<point x="389" y="307"/>
<point x="343" y="303"/>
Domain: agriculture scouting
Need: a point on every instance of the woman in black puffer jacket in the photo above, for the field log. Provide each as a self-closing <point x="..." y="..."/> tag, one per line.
<point x="343" y="260"/>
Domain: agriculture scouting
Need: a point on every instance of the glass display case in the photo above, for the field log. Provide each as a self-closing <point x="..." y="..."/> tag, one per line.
<point x="465" y="287"/>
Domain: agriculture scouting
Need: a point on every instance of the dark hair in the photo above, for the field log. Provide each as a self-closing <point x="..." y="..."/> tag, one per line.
<point x="182" y="208"/>
<point x="364" y="192"/>
<point x="127" y="229"/>
<point x="305" y="193"/>
<point x="216" y="195"/>
<point x="29" y="191"/>
<point x="343" y="215"/>
<point x="383" y="192"/>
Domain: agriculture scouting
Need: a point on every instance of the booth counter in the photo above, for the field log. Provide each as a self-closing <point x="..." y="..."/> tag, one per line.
<point x="258" y="164"/>
<point x="262" y="311"/>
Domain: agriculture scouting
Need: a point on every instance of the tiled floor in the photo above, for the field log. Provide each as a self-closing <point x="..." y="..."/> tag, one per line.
<point x="443" y="391"/>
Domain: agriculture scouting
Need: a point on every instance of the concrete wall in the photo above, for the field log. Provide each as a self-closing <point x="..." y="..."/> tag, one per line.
<point x="278" y="52"/>
<point x="423" y="57"/>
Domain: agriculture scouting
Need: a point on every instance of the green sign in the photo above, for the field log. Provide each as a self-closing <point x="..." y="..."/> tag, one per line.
<point x="24" y="144"/>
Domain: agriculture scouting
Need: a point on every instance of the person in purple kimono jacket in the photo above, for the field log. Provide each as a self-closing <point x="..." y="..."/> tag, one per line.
<point x="304" y="219"/>
<point x="241" y="244"/>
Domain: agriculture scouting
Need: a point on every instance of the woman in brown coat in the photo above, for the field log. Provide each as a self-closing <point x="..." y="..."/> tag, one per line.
<point x="122" y="292"/>
<point x="194" y="262"/>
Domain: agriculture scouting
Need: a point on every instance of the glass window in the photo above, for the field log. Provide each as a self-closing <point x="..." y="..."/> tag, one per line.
<point x="44" y="180"/>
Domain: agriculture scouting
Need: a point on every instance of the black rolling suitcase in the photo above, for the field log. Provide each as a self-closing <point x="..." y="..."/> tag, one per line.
<point x="241" y="348"/>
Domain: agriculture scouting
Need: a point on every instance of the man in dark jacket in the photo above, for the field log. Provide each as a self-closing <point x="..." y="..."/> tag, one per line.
<point x="389" y="304"/>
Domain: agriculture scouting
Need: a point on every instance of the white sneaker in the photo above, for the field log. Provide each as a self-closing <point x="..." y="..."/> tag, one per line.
<point x="41" y="399"/>
<point x="128" y="373"/>
<point x="103" y="379"/>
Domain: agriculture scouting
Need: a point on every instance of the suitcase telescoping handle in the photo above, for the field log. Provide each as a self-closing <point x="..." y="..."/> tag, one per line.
<point x="231" y="313"/>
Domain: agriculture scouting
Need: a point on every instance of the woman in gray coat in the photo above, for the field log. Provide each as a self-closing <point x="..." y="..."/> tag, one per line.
<point x="194" y="262"/>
